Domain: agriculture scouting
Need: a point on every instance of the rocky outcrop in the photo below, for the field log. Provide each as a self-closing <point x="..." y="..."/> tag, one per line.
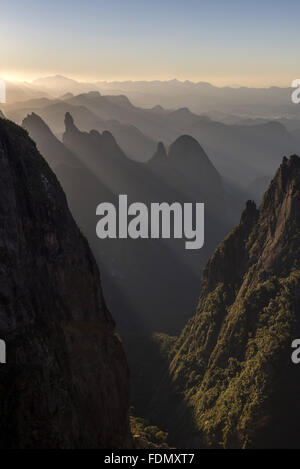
<point x="231" y="381"/>
<point x="160" y="156"/>
<point x="188" y="157"/>
<point x="50" y="147"/>
<point x="65" y="384"/>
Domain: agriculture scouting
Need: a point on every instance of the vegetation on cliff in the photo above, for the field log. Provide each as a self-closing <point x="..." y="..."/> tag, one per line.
<point x="230" y="381"/>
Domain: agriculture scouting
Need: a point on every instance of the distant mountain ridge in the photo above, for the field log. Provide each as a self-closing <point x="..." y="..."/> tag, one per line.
<point x="198" y="96"/>
<point x="241" y="153"/>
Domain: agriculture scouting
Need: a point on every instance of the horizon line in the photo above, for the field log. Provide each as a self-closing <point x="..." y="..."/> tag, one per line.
<point x="14" y="80"/>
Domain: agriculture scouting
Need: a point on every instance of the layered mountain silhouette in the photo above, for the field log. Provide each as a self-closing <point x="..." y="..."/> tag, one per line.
<point x="198" y="96"/>
<point x="149" y="284"/>
<point x="136" y="144"/>
<point x="23" y="91"/>
<point x="241" y="152"/>
<point x="65" y="383"/>
<point x="58" y="85"/>
<point x="230" y="381"/>
<point x="241" y="102"/>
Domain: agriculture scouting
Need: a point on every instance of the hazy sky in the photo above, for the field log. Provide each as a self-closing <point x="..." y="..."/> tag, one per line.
<point x="222" y="41"/>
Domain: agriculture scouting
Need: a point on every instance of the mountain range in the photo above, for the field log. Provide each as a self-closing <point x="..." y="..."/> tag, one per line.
<point x="214" y="375"/>
<point x="242" y="153"/>
<point x="200" y="97"/>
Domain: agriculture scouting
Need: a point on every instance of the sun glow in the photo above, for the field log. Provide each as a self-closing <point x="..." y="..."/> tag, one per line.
<point x="14" y="77"/>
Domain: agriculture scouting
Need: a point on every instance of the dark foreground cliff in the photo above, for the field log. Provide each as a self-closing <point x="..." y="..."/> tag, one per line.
<point x="65" y="384"/>
<point x="231" y="382"/>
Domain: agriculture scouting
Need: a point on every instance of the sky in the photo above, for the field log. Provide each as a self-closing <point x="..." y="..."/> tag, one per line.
<point x="224" y="42"/>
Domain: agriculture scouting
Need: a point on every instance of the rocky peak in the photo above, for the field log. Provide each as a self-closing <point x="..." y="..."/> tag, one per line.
<point x="236" y="386"/>
<point x="250" y="214"/>
<point x="278" y="217"/>
<point x="34" y="121"/>
<point x="50" y="147"/>
<point x="189" y="158"/>
<point x="183" y="144"/>
<point x="264" y="236"/>
<point x="286" y="178"/>
<point x="69" y="123"/>
<point x="65" y="384"/>
<point x="160" y="155"/>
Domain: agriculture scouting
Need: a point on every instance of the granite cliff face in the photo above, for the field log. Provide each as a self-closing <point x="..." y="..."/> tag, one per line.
<point x="65" y="384"/>
<point x="231" y="381"/>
